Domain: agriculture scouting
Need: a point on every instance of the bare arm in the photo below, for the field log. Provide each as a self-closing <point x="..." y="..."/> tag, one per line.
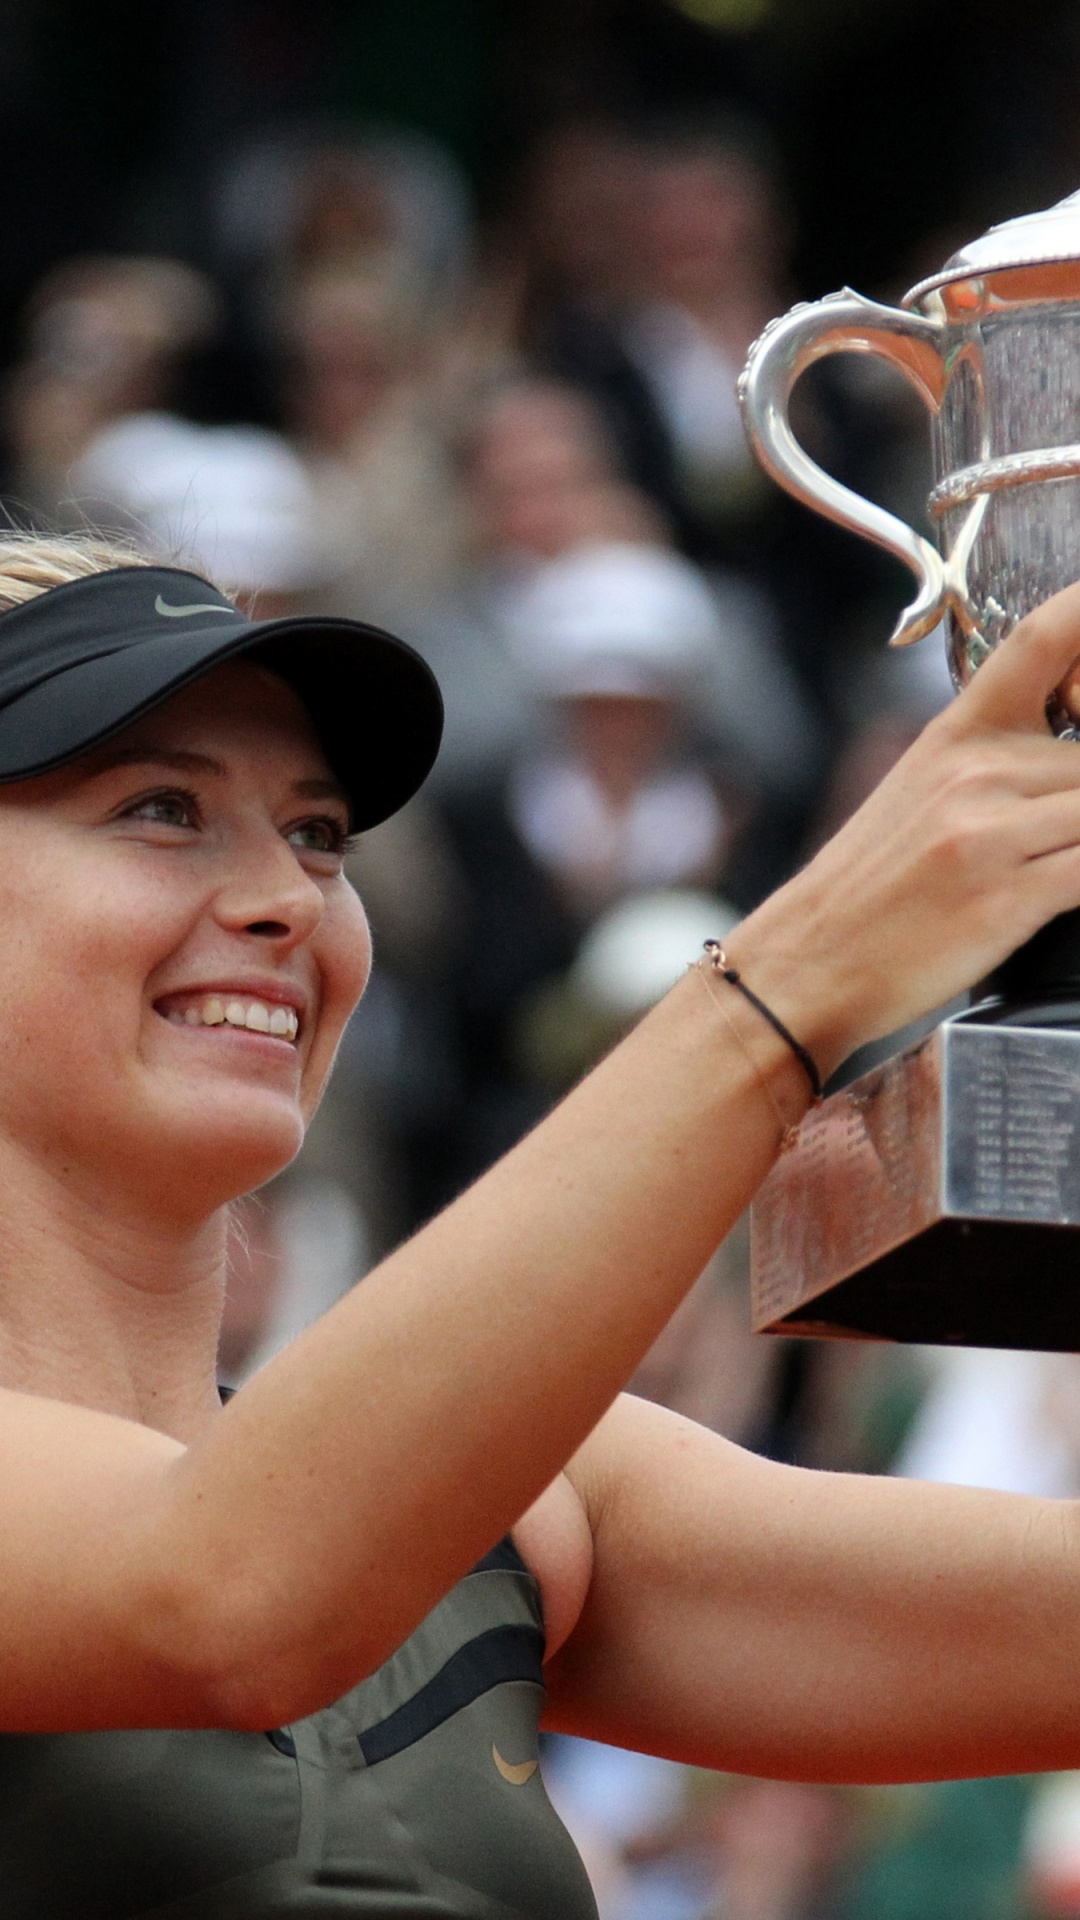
<point x="817" y="1626"/>
<point x="349" y="1485"/>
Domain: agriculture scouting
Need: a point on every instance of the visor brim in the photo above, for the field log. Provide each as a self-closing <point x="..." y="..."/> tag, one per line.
<point x="374" y="703"/>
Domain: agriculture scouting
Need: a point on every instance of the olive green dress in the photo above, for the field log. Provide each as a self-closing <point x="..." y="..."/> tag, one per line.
<point x="415" y="1797"/>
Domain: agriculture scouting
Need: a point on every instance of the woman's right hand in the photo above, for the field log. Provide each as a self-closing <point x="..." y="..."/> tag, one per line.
<point x="968" y="846"/>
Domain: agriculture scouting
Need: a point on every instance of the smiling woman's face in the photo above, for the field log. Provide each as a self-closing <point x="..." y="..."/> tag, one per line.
<point x="179" y="948"/>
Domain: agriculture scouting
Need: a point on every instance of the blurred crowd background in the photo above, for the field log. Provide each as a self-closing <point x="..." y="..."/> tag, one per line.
<point x="430" y="312"/>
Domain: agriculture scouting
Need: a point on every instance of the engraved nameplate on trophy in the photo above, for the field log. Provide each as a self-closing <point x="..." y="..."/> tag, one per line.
<point x="935" y="1199"/>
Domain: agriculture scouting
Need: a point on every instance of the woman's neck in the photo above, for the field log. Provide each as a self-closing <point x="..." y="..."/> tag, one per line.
<point x="107" y="1309"/>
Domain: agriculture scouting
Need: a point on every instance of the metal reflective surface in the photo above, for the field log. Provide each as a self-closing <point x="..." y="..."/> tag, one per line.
<point x="845" y="323"/>
<point x="992" y="343"/>
<point x="932" y="1199"/>
<point x="1032" y="239"/>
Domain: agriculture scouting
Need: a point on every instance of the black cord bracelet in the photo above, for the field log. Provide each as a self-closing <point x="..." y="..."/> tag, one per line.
<point x="722" y="965"/>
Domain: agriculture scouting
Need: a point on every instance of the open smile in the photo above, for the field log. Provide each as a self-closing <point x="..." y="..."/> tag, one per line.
<point x="232" y="1010"/>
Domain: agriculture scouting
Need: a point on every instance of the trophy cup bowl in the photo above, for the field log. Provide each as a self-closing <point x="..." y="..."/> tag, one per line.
<point x="937" y="1198"/>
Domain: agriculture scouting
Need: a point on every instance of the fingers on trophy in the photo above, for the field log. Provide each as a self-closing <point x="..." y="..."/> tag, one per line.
<point x="937" y="1197"/>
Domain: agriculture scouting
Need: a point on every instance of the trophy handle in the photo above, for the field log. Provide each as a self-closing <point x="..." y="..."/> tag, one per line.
<point x="845" y="322"/>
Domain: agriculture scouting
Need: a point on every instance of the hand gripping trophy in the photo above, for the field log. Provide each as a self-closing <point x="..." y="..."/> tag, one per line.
<point x="938" y="1197"/>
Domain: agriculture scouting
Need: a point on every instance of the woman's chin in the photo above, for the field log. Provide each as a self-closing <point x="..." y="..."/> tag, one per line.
<point x="228" y="1147"/>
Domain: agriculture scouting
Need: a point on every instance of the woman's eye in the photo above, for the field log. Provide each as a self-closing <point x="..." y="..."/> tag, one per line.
<point x="167" y="809"/>
<point x="318" y="835"/>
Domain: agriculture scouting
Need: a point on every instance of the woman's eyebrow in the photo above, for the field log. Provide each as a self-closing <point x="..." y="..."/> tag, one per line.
<point x="317" y="787"/>
<point x="178" y="758"/>
<point x="321" y="788"/>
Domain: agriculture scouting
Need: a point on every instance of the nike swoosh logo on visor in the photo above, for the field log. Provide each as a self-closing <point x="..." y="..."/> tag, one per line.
<point x="183" y="613"/>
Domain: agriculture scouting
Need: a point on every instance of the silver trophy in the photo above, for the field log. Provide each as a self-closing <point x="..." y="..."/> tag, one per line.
<point x="938" y="1197"/>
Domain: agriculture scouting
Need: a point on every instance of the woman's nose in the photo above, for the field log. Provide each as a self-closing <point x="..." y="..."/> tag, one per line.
<point x="271" y="896"/>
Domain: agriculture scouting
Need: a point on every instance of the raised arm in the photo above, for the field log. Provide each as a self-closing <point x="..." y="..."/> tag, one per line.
<point x="349" y="1485"/>
<point x="816" y="1626"/>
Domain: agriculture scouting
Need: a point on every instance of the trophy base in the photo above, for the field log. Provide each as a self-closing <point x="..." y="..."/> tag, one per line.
<point x="932" y="1199"/>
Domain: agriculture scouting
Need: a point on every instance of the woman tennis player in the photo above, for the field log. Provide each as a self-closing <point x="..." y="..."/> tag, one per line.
<point x="289" y="1656"/>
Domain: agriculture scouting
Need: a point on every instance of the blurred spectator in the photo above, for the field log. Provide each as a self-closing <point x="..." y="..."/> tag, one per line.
<point x="742" y="696"/>
<point x="578" y="204"/>
<point x="654" y="256"/>
<point x="712" y="244"/>
<point x="538" y="476"/>
<point x="615" y="791"/>
<point x="231" y="502"/>
<point x="360" y="405"/>
<point x="653" y="253"/>
<point x="347" y="252"/>
<point x="541" y="472"/>
<point x="619" y="640"/>
<point x="710" y="274"/>
<point x="374" y="201"/>
<point x="106" y="336"/>
<point x="577" y="258"/>
<point x="542" y="478"/>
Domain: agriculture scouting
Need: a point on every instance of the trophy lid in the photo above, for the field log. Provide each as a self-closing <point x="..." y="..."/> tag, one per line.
<point x="1031" y="240"/>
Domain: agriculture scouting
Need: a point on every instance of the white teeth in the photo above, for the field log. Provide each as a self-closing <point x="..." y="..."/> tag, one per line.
<point x="255" y="1015"/>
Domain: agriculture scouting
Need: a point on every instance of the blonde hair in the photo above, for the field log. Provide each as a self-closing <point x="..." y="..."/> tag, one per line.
<point x="31" y="563"/>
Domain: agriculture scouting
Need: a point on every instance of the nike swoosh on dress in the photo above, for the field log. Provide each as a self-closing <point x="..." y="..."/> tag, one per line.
<point x="517" y="1775"/>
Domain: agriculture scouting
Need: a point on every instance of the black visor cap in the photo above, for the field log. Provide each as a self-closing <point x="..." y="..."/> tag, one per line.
<point x="80" y="662"/>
